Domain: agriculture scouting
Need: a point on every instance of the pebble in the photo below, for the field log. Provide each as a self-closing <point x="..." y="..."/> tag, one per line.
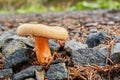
<point x="6" y="73"/>
<point x="115" y="53"/>
<point x="94" y="39"/>
<point x="27" y="41"/>
<point x="28" y="72"/>
<point x="5" y="35"/>
<point x="10" y="46"/>
<point x="57" y="72"/>
<point x="19" y="58"/>
<point x="53" y="45"/>
<point x="87" y="56"/>
<point x="71" y="45"/>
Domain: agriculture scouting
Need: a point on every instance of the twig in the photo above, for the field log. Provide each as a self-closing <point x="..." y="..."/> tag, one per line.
<point x="76" y="74"/>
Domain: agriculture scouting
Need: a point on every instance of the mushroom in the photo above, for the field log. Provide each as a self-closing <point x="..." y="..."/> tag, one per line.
<point x="41" y="34"/>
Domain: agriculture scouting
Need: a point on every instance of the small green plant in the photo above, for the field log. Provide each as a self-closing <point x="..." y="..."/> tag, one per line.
<point x="38" y="6"/>
<point x="98" y="4"/>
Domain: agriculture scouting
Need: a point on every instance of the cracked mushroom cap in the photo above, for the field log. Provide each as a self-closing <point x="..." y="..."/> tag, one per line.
<point x="43" y="31"/>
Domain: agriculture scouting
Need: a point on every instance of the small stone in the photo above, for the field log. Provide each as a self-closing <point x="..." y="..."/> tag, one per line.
<point x="57" y="72"/>
<point x="94" y="39"/>
<point x="6" y="73"/>
<point x="117" y="78"/>
<point x="107" y="23"/>
<point x="53" y="45"/>
<point x="71" y="45"/>
<point x="26" y="41"/>
<point x="5" y="35"/>
<point x="93" y="30"/>
<point x="28" y="72"/>
<point x="116" y="48"/>
<point x="10" y="46"/>
<point x="87" y="56"/>
<point x="58" y="60"/>
<point x="117" y="38"/>
<point x="2" y="28"/>
<point x="19" y="58"/>
<point x="40" y="75"/>
<point x="110" y="22"/>
<point x="115" y="53"/>
<point x="103" y="51"/>
<point x="91" y="24"/>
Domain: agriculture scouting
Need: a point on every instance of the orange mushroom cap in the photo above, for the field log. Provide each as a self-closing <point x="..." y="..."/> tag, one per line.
<point x="43" y="31"/>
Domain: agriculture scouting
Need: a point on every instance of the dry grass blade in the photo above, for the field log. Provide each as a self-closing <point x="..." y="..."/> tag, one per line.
<point x="108" y="68"/>
<point x="76" y="74"/>
<point x="55" y="54"/>
<point x="91" y="72"/>
<point x="109" y="47"/>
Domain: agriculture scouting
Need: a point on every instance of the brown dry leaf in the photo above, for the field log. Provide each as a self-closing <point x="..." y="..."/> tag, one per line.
<point x="109" y="48"/>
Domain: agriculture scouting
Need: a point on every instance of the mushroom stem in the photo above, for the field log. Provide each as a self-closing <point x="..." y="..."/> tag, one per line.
<point x="42" y="49"/>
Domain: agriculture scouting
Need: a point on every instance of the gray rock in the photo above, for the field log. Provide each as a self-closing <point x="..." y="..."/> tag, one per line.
<point x="71" y="45"/>
<point x="28" y="72"/>
<point x="2" y="28"/>
<point x="117" y="38"/>
<point x="6" y="73"/>
<point x="57" y="72"/>
<point x="5" y="35"/>
<point x="117" y="78"/>
<point x="19" y="58"/>
<point x="115" y="53"/>
<point x="116" y="48"/>
<point x="94" y="39"/>
<point x="27" y="41"/>
<point x="58" y="60"/>
<point x="103" y="51"/>
<point x="87" y="57"/>
<point x="40" y="75"/>
<point x="10" y="46"/>
<point x="93" y="30"/>
<point x="91" y="24"/>
<point x="53" y="45"/>
<point x="107" y="22"/>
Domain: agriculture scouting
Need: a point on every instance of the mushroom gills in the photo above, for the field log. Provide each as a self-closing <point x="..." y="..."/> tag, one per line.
<point x="42" y="49"/>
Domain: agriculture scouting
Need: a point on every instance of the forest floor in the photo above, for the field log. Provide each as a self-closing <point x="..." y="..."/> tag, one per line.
<point x="79" y="25"/>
